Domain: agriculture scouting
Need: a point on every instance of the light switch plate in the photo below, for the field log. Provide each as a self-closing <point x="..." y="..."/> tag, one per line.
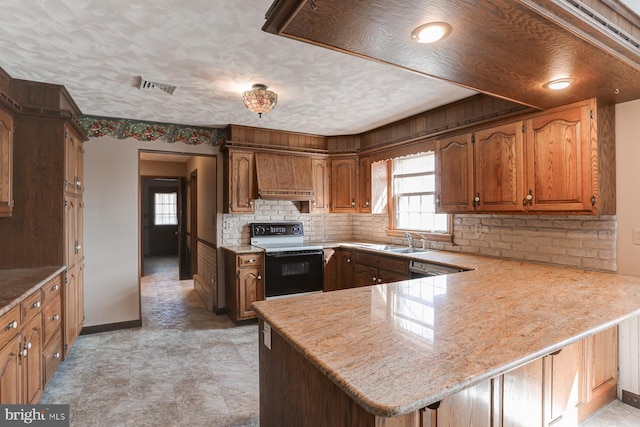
<point x="636" y="235"/>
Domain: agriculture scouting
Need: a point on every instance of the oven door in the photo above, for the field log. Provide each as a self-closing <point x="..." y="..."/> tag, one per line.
<point x="292" y="272"/>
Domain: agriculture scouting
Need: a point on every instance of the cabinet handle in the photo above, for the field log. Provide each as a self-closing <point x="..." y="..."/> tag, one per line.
<point x="11" y="325"/>
<point x="55" y="287"/>
<point x="56" y="355"/>
<point x="35" y="304"/>
<point x="528" y="199"/>
<point x="55" y="317"/>
<point x="476" y="200"/>
<point x="251" y="260"/>
<point x="353" y="203"/>
<point x="250" y="203"/>
<point x="259" y="277"/>
<point x="379" y="280"/>
<point x="24" y="353"/>
<point x="438" y="200"/>
<point x="366" y="203"/>
<point x="348" y="260"/>
<point x="375" y="279"/>
<point x="28" y="346"/>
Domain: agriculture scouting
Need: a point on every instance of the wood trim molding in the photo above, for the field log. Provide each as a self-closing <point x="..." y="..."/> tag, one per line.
<point x="111" y="327"/>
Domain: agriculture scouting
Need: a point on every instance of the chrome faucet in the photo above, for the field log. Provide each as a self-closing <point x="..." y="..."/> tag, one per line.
<point x="410" y="239"/>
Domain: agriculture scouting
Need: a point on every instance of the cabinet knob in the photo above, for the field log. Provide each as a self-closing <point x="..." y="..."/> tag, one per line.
<point x="24" y="353"/>
<point x="313" y="203"/>
<point x="374" y="279"/>
<point x="251" y="260"/>
<point x="259" y="277"/>
<point x="11" y="325"/>
<point x="35" y="304"/>
<point x="476" y="200"/>
<point x="353" y="203"/>
<point x="28" y="346"/>
<point x="528" y="199"/>
<point x="438" y="200"/>
<point x="379" y="280"/>
<point x="56" y="355"/>
<point x="348" y="260"/>
<point x="55" y="287"/>
<point x="55" y="317"/>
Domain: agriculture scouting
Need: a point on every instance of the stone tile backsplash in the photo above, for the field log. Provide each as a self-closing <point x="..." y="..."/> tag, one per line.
<point x="577" y="241"/>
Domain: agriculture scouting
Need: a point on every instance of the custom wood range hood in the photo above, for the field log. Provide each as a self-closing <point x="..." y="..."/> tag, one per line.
<point x="504" y="48"/>
<point x="284" y="176"/>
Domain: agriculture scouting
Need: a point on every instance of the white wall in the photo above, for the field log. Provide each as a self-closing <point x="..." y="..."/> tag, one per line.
<point x="627" y="181"/>
<point x="111" y="226"/>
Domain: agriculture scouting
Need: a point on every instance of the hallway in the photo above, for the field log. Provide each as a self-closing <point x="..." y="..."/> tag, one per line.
<point x="184" y="367"/>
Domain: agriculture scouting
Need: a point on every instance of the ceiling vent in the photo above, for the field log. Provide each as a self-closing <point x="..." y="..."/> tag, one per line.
<point x="148" y="85"/>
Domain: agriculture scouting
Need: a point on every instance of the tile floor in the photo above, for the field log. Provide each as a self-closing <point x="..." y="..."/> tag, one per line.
<point x="184" y="367"/>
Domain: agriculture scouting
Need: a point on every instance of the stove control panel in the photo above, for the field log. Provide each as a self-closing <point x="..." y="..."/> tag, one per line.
<point x="276" y="229"/>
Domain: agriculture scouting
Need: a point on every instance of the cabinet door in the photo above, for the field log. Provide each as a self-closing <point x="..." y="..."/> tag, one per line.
<point x="69" y="319"/>
<point x="330" y="270"/>
<point x="250" y="289"/>
<point x="32" y="336"/>
<point x="79" y="307"/>
<point x="559" y="151"/>
<point x="70" y="153"/>
<point x="79" y="231"/>
<point x="6" y="164"/>
<point x="454" y="174"/>
<point x="10" y="392"/>
<point x="346" y="269"/>
<point x="79" y="167"/>
<point x="522" y="399"/>
<point x="499" y="168"/>
<point x="365" y="275"/>
<point x="320" y="186"/>
<point x="564" y="385"/>
<point x="470" y="408"/>
<point x="601" y="370"/>
<point x="364" y="184"/>
<point x="343" y="185"/>
<point x="241" y="181"/>
<point x="70" y="227"/>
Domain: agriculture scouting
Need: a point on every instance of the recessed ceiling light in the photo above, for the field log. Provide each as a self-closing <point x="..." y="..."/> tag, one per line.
<point x="559" y="84"/>
<point x="431" y="32"/>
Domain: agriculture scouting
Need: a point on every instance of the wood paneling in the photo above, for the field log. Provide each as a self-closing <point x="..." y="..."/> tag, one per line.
<point x="267" y="138"/>
<point x="504" y="48"/>
<point x="284" y="176"/>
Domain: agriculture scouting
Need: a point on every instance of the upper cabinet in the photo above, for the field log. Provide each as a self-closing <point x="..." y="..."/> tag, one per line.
<point x="6" y="163"/>
<point x="364" y="184"/>
<point x="454" y="174"/>
<point x="343" y="184"/>
<point x="559" y="161"/>
<point x="74" y="153"/>
<point x="320" y="177"/>
<point x="239" y="177"/>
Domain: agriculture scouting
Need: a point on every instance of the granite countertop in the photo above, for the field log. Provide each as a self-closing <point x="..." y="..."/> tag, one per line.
<point x="399" y="347"/>
<point x="17" y="284"/>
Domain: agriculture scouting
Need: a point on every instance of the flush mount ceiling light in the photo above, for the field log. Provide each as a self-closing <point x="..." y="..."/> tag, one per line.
<point x="259" y="100"/>
<point x="431" y="32"/>
<point x="559" y="84"/>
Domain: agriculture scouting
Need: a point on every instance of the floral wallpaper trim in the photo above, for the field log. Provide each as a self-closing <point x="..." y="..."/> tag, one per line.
<point x="96" y="127"/>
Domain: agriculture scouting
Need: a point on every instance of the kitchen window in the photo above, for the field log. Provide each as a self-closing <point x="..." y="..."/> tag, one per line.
<point x="412" y="207"/>
<point x="165" y="209"/>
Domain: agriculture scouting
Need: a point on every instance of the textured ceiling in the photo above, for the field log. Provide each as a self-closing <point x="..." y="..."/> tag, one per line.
<point x="212" y="50"/>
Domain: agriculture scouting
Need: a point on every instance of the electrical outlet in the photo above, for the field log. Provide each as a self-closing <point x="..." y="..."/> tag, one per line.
<point x="636" y="235"/>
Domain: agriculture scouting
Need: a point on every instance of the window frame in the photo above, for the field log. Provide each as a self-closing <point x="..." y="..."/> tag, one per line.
<point x="393" y="229"/>
<point x="153" y="206"/>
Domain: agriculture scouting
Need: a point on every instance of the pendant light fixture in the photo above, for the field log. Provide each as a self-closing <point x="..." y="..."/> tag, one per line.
<point x="259" y="100"/>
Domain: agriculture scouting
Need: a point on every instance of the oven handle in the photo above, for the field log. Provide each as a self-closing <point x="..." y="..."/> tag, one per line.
<point x="292" y="254"/>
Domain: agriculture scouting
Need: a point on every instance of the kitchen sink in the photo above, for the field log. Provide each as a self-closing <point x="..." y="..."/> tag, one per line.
<point x="390" y="248"/>
<point x="405" y="250"/>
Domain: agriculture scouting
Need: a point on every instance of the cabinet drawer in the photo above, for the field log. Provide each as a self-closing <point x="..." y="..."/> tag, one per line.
<point x="31" y="306"/>
<point x="51" y="356"/>
<point x="398" y="265"/>
<point x="247" y="260"/>
<point x="51" y="289"/>
<point x="52" y="318"/>
<point x="10" y="325"/>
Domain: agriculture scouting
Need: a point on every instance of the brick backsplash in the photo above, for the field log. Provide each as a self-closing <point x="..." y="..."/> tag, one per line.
<point x="587" y="242"/>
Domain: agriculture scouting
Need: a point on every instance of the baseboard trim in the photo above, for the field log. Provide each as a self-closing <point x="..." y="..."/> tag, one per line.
<point x="220" y="311"/>
<point x="111" y="327"/>
<point x="631" y="399"/>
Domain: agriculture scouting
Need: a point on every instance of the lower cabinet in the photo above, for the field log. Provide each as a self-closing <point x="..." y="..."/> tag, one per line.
<point x="560" y="389"/>
<point x="371" y="269"/>
<point x="330" y="277"/>
<point x="244" y="284"/>
<point x="31" y="344"/>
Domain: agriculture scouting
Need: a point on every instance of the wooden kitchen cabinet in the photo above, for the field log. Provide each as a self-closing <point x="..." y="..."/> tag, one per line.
<point x="6" y="163"/>
<point x="330" y="276"/>
<point x="239" y="181"/>
<point x="321" y="174"/>
<point x="74" y="170"/>
<point x="244" y="284"/>
<point x="344" y="184"/>
<point x="364" y="184"/>
<point x="371" y="269"/>
<point x="560" y="151"/>
<point x="31" y="360"/>
<point x="560" y="389"/>
<point x="499" y="168"/>
<point x="454" y="174"/>
<point x="10" y="391"/>
<point x="346" y="268"/>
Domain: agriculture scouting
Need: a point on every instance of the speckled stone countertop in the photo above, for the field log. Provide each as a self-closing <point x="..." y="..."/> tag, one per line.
<point x="17" y="284"/>
<point x="399" y="347"/>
